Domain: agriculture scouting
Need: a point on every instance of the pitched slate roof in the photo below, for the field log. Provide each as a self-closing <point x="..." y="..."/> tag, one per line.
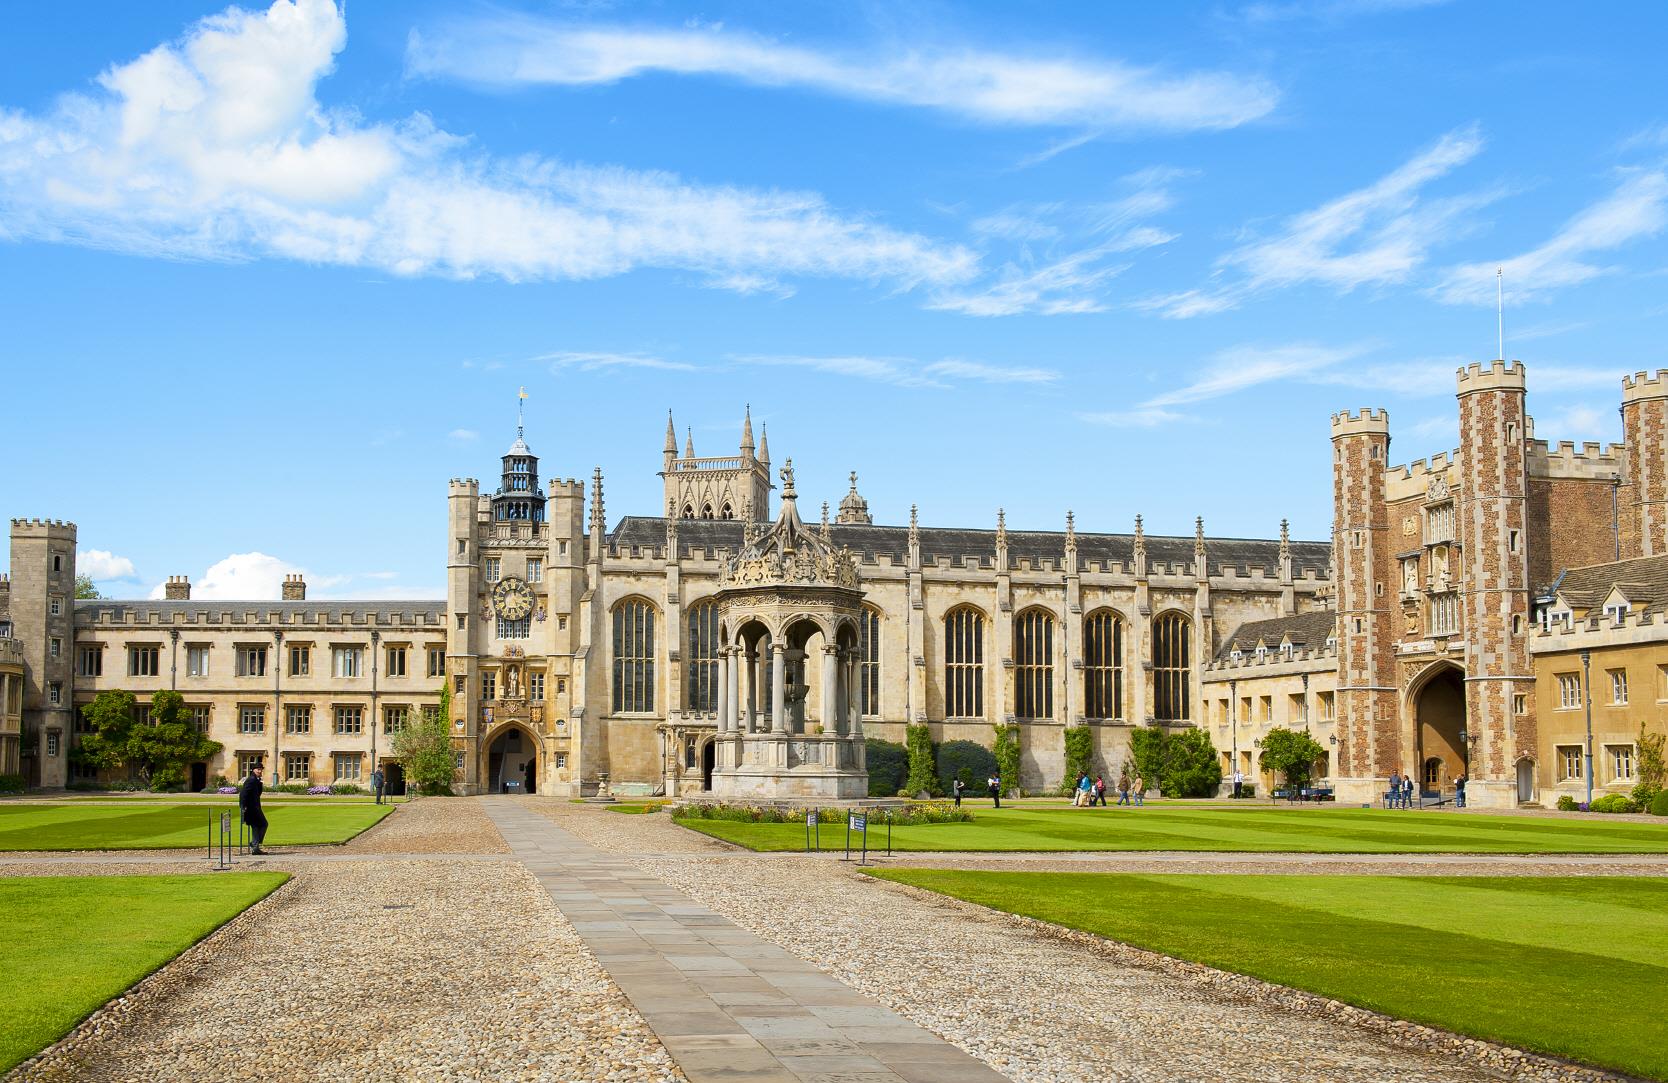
<point x="956" y="543"/>
<point x="325" y="610"/>
<point x="1307" y="630"/>
<point x="1644" y="580"/>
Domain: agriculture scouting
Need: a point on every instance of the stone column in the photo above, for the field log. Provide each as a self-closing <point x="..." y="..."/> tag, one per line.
<point x="752" y="691"/>
<point x="831" y="720"/>
<point x="723" y="689"/>
<point x="734" y="687"/>
<point x="778" y="688"/>
<point x="854" y="696"/>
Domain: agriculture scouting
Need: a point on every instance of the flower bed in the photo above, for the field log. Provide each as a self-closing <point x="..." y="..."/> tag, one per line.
<point x="920" y="812"/>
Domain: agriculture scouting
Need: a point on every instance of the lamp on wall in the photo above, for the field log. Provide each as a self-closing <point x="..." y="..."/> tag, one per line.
<point x="1333" y="738"/>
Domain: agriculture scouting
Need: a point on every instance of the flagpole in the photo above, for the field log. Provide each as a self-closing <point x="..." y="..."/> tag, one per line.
<point x="1500" y="307"/>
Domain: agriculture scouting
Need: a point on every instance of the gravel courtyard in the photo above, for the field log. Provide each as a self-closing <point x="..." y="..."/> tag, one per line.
<point x="425" y="950"/>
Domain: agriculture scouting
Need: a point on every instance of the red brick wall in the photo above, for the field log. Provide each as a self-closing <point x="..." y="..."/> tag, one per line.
<point x="1570" y="525"/>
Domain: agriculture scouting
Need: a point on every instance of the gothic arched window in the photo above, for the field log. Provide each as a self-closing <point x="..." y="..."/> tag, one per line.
<point x="1103" y="665"/>
<point x="964" y="663"/>
<point x="1034" y="664"/>
<point x="706" y="511"/>
<point x="689" y="511"/>
<point x="1172" y="667"/>
<point x="868" y="641"/>
<point x="702" y="652"/>
<point x="633" y="657"/>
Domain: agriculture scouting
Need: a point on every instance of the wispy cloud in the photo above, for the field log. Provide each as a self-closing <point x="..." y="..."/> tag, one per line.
<point x="216" y="147"/>
<point x="591" y="362"/>
<point x="1049" y="88"/>
<point x="1054" y="284"/>
<point x="1372" y="236"/>
<point x="1329" y="9"/>
<point x="908" y="372"/>
<point x="1142" y="417"/>
<point x="463" y="436"/>
<point x="1638" y="208"/>
<point x="1229" y="371"/>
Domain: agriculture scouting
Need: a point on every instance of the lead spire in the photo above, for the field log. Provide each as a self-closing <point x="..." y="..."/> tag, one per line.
<point x="671" y="435"/>
<point x="689" y="445"/>
<point x="764" y="444"/>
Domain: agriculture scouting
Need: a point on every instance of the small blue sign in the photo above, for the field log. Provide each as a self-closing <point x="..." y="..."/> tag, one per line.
<point x="858" y="822"/>
<point x="811" y="818"/>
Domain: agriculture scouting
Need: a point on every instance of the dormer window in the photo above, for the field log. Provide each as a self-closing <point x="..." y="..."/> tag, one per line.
<point x="1236" y="654"/>
<point x="1616" y="611"/>
<point x="1262" y="653"/>
<point x="1286" y="650"/>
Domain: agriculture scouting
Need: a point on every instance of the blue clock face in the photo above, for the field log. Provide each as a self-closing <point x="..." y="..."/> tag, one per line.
<point x="512" y="599"/>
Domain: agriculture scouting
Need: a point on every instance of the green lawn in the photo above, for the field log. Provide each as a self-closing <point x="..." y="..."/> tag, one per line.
<point x="637" y="809"/>
<point x="1571" y="966"/>
<point x="73" y="942"/>
<point x="149" y="825"/>
<point x="1365" y="831"/>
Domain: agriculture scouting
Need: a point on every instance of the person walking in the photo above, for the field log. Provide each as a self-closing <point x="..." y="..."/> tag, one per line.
<point x="995" y="785"/>
<point x="1412" y="787"/>
<point x="1140" y="789"/>
<point x="249" y="807"/>
<point x="1395" y="787"/>
<point x="1085" y="795"/>
<point x="376" y="784"/>
<point x="1099" y="797"/>
<point x="956" y="788"/>
<point x="1459" y="791"/>
<point x="1239" y="780"/>
<point x="1123" y="789"/>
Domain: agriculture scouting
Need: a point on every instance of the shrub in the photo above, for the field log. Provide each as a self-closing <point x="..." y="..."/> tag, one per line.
<point x="1007" y="755"/>
<point x="346" y="788"/>
<point x="921" y="812"/>
<point x="969" y="761"/>
<point x="288" y="787"/>
<point x="1613" y="803"/>
<point x="1080" y="752"/>
<point x="919" y="739"/>
<point x="11" y="783"/>
<point x="1659" y="803"/>
<point x="1566" y="803"/>
<point x="888" y="766"/>
<point x="1644" y="794"/>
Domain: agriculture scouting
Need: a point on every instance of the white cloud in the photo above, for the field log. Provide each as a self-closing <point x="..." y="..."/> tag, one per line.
<point x="102" y="564"/>
<point x="1375" y="235"/>
<point x="591" y="362"/>
<point x="251" y="576"/>
<point x="993" y="87"/>
<point x="1637" y="208"/>
<point x="1330" y="9"/>
<point x="1145" y="417"/>
<point x="1579" y="422"/>
<point x="991" y="374"/>
<point x="216" y="147"/>
<point x="463" y="436"/>
<point x="1241" y="367"/>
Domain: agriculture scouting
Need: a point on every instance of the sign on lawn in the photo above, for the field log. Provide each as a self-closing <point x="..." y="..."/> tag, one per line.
<point x="811" y="818"/>
<point x="858" y="822"/>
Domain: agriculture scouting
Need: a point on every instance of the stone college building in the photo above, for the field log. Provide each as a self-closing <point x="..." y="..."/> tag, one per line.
<point x="1471" y="611"/>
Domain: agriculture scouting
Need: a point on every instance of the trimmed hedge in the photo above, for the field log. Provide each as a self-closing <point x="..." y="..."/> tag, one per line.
<point x="1659" y="803"/>
<point x="1613" y="803"/>
<point x="969" y="761"/>
<point x="888" y="766"/>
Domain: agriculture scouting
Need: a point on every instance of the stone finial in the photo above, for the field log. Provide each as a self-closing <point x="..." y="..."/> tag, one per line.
<point x="599" y="518"/>
<point x="747" y="429"/>
<point x="1200" y="567"/>
<point x="826" y="534"/>
<point x="1139" y="552"/>
<point x="1071" y="532"/>
<point x="689" y="444"/>
<point x="764" y="444"/>
<point x="914" y="529"/>
<point x="788" y="492"/>
<point x="853" y="508"/>
<point x="671" y="435"/>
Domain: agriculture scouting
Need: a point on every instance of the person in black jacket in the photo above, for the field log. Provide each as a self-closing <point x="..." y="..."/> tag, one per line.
<point x="249" y="805"/>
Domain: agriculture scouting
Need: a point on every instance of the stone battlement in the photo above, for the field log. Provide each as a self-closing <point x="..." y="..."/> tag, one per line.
<point x="1591" y="460"/>
<point x="48" y="527"/>
<point x="1499" y="376"/>
<point x="1642" y="386"/>
<point x="1368" y="421"/>
<point x="460" y="486"/>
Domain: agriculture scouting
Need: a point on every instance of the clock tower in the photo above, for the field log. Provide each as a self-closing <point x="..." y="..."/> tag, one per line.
<point x="506" y="611"/>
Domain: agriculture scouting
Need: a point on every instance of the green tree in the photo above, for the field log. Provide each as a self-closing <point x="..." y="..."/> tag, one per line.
<point x="1653" y="770"/>
<point x="1150" y="747"/>
<point x="921" y="771"/>
<point x="1180" y="764"/>
<point x="888" y="766"/>
<point x="967" y="760"/>
<point x="1007" y="756"/>
<point x="84" y="587"/>
<point x="1292" y="753"/>
<point x="156" y="752"/>
<point x="424" y="749"/>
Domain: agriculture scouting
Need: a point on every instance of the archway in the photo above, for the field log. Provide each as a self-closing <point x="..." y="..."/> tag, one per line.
<point x="709" y="760"/>
<point x="1439" y="720"/>
<point x="512" y="759"/>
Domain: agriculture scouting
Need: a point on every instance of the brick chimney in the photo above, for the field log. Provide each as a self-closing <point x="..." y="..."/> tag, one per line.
<point x="178" y="589"/>
<point x="295" y="588"/>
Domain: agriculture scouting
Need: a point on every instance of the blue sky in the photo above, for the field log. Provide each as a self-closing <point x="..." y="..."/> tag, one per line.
<point x="273" y="275"/>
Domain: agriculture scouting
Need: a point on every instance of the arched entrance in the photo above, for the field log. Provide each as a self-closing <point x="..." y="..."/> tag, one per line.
<point x="709" y="757"/>
<point x="1439" y="721"/>
<point x="512" y="762"/>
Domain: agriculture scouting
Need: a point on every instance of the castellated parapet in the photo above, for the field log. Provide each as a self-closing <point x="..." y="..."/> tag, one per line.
<point x="1367" y="422"/>
<point x="1592" y="460"/>
<point x="1499" y="376"/>
<point x="1641" y="386"/>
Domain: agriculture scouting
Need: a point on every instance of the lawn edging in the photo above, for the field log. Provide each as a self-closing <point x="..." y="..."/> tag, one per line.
<point x="159" y="983"/>
<point x="1522" y="1064"/>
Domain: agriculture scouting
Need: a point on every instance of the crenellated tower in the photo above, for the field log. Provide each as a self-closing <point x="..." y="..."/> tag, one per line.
<point x="42" y="614"/>
<point x="1366" y="695"/>
<point x="1644" y="486"/>
<point x="1492" y="517"/>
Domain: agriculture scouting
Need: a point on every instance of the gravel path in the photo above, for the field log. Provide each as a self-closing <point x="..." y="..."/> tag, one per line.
<point x="432" y="825"/>
<point x="479" y="978"/>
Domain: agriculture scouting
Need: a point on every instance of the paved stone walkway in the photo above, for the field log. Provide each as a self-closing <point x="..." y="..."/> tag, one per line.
<point x="727" y="1005"/>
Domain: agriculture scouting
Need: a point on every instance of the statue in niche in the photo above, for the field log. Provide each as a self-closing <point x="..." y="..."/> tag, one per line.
<point x="512" y="682"/>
